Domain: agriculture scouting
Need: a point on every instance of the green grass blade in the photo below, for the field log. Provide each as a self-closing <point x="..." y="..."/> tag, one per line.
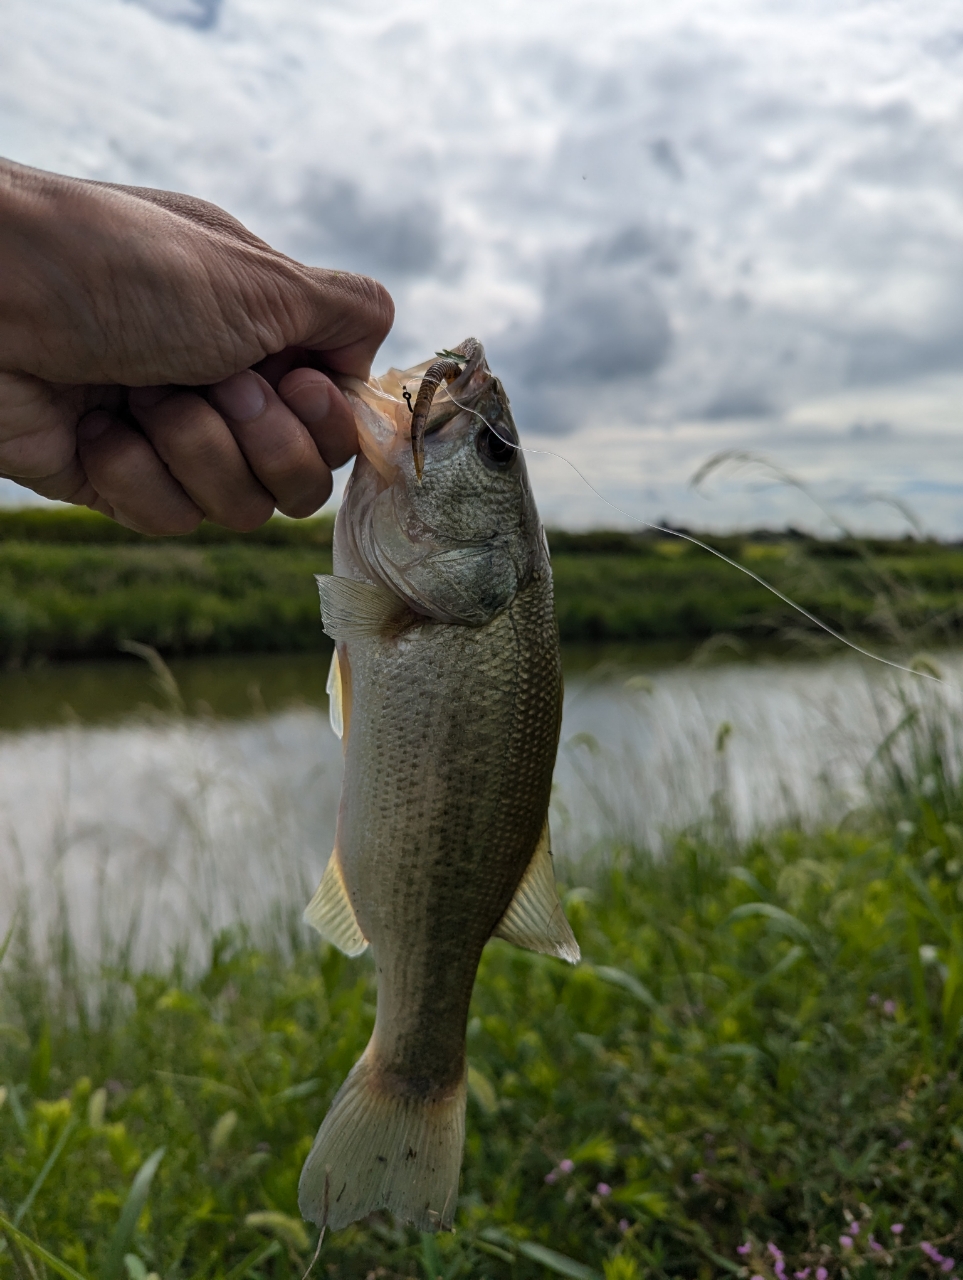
<point x="560" y="1263"/>
<point x="629" y="983"/>
<point x="38" y="1251"/>
<point x="781" y="919"/>
<point x="557" y="1262"/>
<point x="124" y="1231"/>
<point x="44" y="1173"/>
<point x="253" y="1259"/>
<point x="429" y="1257"/>
<point x="926" y="897"/>
<point x="16" y="1108"/>
<point x="918" y="979"/>
<point x="8" y="939"/>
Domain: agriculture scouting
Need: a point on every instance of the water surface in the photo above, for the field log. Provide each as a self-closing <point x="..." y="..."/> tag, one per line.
<point x="131" y="808"/>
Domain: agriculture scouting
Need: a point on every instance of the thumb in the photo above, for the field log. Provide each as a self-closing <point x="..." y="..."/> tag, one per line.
<point x="343" y="317"/>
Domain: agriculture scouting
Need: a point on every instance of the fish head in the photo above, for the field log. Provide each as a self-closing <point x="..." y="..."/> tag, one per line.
<point x="458" y="541"/>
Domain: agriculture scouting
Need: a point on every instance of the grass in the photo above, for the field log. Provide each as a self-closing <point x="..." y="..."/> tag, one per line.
<point x="758" y="1061"/>
<point x="74" y="584"/>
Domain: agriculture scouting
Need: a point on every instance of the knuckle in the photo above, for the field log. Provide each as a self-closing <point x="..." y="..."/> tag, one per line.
<point x="246" y="516"/>
<point x="178" y="412"/>
<point x="379" y="304"/>
<point x="283" y="460"/>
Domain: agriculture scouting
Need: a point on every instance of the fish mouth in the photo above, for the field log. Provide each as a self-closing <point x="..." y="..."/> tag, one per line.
<point x="387" y="421"/>
<point x="463" y="359"/>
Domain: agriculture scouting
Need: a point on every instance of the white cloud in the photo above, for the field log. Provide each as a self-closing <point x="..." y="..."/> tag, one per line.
<point x="784" y="182"/>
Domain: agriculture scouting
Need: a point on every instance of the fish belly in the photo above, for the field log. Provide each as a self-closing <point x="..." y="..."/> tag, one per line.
<point x="448" y="767"/>
<point x="448" y="774"/>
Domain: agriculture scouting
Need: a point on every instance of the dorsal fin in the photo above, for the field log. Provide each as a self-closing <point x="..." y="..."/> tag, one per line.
<point x="535" y="919"/>
<point x="350" y="608"/>
<point x="331" y="913"/>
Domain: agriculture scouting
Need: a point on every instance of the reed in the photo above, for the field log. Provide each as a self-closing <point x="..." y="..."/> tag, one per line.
<point x="757" y="1066"/>
<point x="74" y="584"/>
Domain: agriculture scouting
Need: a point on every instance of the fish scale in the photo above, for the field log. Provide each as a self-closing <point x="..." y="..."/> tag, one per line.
<point x="447" y="684"/>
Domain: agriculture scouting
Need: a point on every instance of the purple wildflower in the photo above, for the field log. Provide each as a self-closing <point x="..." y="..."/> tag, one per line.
<point x="875" y="1245"/>
<point x="744" y="1248"/>
<point x="947" y="1264"/>
<point x="780" y="1268"/>
<point x="801" y="1275"/>
<point x="897" y="1228"/>
<point x="774" y="1250"/>
<point x="566" y="1165"/>
<point x="889" y="1007"/>
<point x="551" y="1177"/>
<point x="623" y="1225"/>
<point x="821" y="1273"/>
<point x="931" y="1251"/>
<point x="905" y="1144"/>
<point x="854" y="1228"/>
<point x="846" y="1241"/>
<point x="757" y="1278"/>
<point x="698" y="1177"/>
<point x="603" y="1189"/>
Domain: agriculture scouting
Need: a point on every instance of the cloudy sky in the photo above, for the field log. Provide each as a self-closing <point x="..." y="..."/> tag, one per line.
<point x="679" y="228"/>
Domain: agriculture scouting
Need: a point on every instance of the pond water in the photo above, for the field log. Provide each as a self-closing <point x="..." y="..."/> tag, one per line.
<point x="159" y="810"/>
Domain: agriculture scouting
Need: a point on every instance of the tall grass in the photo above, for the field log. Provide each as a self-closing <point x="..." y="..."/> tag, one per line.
<point x="74" y="584"/>
<point x="754" y="1071"/>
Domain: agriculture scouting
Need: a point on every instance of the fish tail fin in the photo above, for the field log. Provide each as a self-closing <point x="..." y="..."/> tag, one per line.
<point x="378" y="1148"/>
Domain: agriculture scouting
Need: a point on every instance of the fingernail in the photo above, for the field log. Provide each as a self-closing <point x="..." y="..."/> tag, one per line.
<point x="94" y="425"/>
<point x="241" y="397"/>
<point x="146" y="397"/>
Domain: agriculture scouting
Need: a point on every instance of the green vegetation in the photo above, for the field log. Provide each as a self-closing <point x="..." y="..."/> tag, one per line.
<point x="73" y="584"/>
<point x="763" y="1044"/>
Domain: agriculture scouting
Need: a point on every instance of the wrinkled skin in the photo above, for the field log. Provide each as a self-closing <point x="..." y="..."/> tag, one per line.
<point x="160" y="363"/>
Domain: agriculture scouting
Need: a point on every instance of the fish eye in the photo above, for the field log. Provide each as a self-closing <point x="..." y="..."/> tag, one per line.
<point x="497" y="449"/>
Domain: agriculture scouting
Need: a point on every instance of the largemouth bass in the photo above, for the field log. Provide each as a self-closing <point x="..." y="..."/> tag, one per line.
<point x="446" y="688"/>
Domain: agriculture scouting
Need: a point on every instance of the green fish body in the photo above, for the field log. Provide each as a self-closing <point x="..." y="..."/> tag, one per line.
<point x="446" y="687"/>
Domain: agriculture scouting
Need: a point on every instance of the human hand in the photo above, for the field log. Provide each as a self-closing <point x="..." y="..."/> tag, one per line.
<point x="155" y="357"/>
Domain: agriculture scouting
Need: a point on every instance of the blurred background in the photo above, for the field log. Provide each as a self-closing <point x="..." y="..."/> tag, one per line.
<point x="715" y="250"/>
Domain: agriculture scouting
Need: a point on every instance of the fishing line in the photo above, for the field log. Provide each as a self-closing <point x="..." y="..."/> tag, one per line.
<point x="317" y="1252"/>
<point x="687" y="537"/>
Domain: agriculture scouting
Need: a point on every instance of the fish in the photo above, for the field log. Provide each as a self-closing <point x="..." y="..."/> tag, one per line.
<point x="446" y="689"/>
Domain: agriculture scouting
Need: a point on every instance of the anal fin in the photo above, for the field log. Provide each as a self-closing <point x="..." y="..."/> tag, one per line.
<point x="535" y="919"/>
<point x="331" y="913"/>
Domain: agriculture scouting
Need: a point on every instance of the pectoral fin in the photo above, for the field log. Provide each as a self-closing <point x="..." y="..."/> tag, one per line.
<point x="535" y="919"/>
<point x="350" y="608"/>
<point x="331" y="913"/>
